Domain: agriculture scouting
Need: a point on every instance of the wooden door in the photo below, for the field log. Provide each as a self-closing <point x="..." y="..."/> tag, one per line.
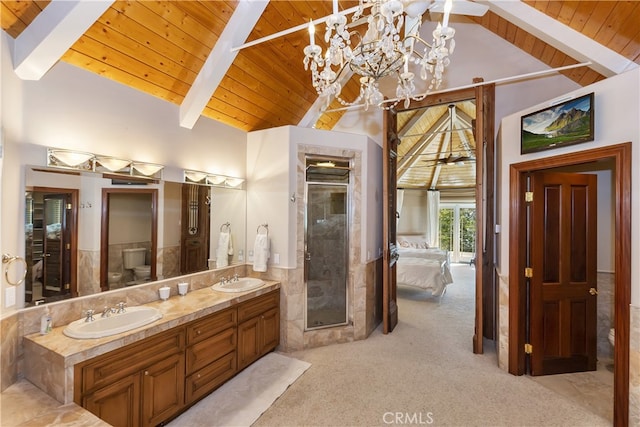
<point x="248" y="342"/>
<point x="194" y="243"/>
<point x="390" y="251"/>
<point x="118" y="404"/>
<point x="58" y="245"/>
<point x="563" y="288"/>
<point x="162" y="390"/>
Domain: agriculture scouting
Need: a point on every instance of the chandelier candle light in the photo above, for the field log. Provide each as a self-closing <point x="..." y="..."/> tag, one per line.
<point x="380" y="52"/>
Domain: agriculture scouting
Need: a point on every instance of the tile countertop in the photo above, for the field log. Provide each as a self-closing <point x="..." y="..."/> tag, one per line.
<point x="60" y="353"/>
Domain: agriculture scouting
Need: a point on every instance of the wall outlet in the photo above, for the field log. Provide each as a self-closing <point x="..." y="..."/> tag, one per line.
<point x="10" y="296"/>
<point x="276" y="259"/>
<point x="250" y="255"/>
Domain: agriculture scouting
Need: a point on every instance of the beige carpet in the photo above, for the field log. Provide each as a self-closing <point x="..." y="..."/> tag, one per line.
<point x="240" y="401"/>
<point x="424" y="373"/>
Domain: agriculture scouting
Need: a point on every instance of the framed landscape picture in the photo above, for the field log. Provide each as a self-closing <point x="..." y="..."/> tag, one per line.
<point x="567" y="123"/>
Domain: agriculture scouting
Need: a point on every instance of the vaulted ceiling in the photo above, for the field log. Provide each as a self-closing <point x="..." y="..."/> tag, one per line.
<point x="200" y="54"/>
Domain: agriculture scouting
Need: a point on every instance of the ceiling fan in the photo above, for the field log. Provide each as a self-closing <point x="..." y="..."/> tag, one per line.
<point x="452" y="159"/>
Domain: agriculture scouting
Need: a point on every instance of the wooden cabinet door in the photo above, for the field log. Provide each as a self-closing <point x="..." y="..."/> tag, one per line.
<point x="162" y="390"/>
<point x="118" y="403"/>
<point x="249" y="343"/>
<point x="270" y="330"/>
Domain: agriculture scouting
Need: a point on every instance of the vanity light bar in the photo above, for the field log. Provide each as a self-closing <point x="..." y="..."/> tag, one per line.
<point x="214" y="180"/>
<point x="85" y="161"/>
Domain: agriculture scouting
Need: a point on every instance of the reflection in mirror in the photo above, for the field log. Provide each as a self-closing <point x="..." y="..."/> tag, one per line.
<point x="225" y="205"/>
<point x="129" y="237"/>
<point x="51" y="236"/>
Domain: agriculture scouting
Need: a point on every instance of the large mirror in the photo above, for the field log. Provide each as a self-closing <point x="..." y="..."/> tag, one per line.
<point x="87" y="232"/>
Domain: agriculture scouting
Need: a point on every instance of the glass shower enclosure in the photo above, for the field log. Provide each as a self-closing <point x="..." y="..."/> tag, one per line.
<point x="326" y="242"/>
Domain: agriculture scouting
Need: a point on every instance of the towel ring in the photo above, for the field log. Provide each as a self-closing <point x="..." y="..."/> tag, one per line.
<point x="8" y="259"/>
<point x="226" y="224"/>
<point x="265" y="226"/>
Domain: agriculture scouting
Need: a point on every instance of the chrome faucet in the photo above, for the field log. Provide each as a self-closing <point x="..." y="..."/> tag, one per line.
<point x="89" y="317"/>
<point x="108" y="312"/>
<point x="236" y="277"/>
<point x="121" y="307"/>
<point x="223" y="280"/>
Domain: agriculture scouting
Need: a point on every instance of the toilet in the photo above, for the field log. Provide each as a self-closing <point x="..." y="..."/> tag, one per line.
<point x="142" y="272"/>
<point x="134" y="260"/>
<point x="113" y="277"/>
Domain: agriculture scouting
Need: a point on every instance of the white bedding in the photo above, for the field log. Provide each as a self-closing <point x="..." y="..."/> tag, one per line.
<point x="427" y="274"/>
<point x="434" y="254"/>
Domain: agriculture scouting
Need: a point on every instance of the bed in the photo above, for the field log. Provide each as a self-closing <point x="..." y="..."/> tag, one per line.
<point x="422" y="267"/>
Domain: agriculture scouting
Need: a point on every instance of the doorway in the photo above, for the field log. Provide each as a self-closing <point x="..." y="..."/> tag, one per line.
<point x="482" y="127"/>
<point x="326" y="266"/>
<point x="620" y="155"/>
<point x="129" y="221"/>
<point x="51" y="244"/>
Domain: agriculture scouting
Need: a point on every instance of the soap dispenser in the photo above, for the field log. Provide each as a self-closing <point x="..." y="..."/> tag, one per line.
<point x="45" y="322"/>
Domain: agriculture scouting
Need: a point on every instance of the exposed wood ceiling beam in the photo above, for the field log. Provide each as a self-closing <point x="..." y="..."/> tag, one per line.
<point x="52" y="33"/>
<point x="562" y="37"/>
<point x="411" y="156"/>
<point x="217" y="64"/>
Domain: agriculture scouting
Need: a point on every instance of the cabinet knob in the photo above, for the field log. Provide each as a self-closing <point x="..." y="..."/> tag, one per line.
<point x="198" y="332"/>
<point x="146" y="373"/>
<point x="198" y="376"/>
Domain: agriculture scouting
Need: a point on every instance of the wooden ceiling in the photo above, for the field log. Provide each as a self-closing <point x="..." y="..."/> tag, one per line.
<point x="161" y="48"/>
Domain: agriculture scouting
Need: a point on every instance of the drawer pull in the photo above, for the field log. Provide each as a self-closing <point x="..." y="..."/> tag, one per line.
<point x="198" y="332"/>
<point x="198" y="376"/>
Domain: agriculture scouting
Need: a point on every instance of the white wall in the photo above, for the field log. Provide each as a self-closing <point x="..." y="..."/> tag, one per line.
<point x="272" y="181"/>
<point x="617" y="114"/>
<point x="269" y="157"/>
<point x="75" y="109"/>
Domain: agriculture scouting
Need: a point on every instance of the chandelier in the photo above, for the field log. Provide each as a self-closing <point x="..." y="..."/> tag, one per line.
<point x="380" y="52"/>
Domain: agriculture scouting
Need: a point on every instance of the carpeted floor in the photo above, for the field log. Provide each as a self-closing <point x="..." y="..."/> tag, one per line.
<point x="422" y="373"/>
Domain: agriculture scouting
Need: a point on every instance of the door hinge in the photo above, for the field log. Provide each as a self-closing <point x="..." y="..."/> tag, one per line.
<point x="68" y="246"/>
<point x="528" y="272"/>
<point x="67" y="286"/>
<point x="69" y="206"/>
<point x="528" y="348"/>
<point x="528" y="196"/>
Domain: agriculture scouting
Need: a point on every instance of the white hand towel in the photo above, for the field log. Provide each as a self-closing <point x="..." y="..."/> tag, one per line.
<point x="230" y="249"/>
<point x="222" y="257"/>
<point x="260" y="252"/>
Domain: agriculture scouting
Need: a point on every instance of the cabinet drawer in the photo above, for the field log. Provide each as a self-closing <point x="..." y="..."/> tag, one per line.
<point x="258" y="305"/>
<point x="204" y="328"/>
<point x="210" y="377"/>
<point x="119" y="363"/>
<point x="206" y="351"/>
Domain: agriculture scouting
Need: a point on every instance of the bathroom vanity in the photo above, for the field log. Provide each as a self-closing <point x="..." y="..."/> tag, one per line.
<point x="150" y="375"/>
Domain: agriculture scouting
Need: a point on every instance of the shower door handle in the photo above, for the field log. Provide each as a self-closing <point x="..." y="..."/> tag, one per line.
<point x="307" y="260"/>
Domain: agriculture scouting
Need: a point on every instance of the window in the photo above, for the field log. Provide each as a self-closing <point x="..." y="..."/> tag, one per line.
<point x="458" y="230"/>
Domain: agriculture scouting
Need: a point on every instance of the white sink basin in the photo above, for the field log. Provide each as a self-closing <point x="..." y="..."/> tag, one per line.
<point x="241" y="285"/>
<point x="132" y="318"/>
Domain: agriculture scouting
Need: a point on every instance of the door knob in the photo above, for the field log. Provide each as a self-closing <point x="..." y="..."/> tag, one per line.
<point x="593" y="291"/>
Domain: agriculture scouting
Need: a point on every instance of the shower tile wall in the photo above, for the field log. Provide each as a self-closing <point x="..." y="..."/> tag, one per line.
<point x="88" y="272"/>
<point x="170" y="261"/>
<point x="606" y="286"/>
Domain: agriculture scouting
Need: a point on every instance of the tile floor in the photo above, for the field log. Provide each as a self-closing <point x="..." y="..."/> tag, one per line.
<point x="592" y="390"/>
